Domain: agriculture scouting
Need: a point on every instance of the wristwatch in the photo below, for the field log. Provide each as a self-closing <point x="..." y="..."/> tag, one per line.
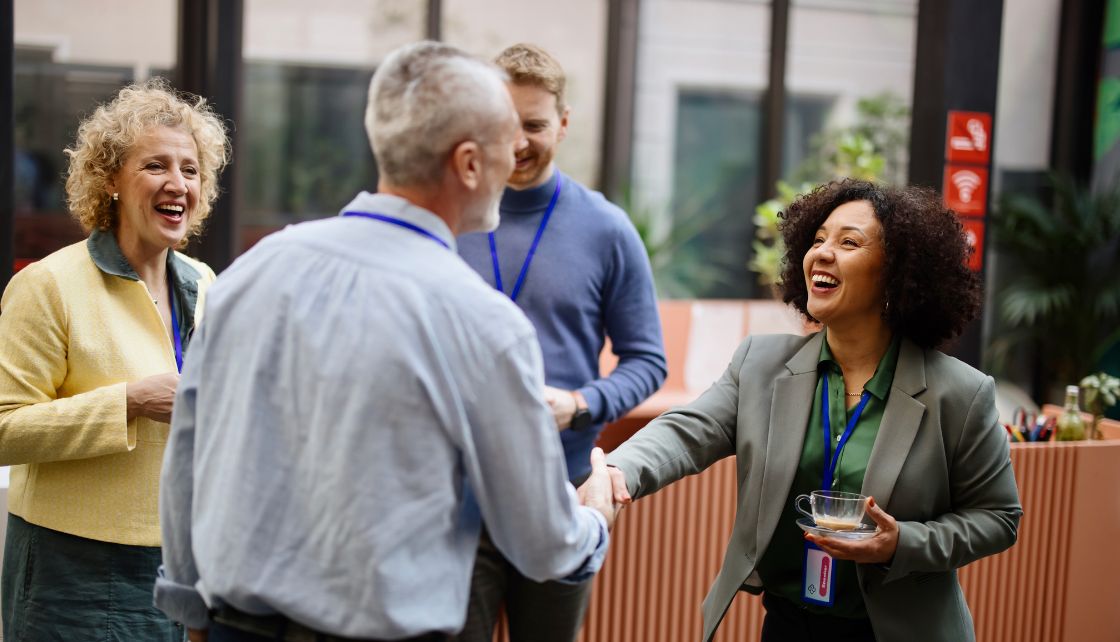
<point x="582" y="417"/>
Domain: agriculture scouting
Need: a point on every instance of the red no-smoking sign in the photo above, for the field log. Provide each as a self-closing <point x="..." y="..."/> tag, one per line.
<point x="968" y="137"/>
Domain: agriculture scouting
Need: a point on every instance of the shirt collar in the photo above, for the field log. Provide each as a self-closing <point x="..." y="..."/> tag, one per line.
<point x="108" y="257"/>
<point x="405" y="210"/>
<point x="530" y="200"/>
<point x="879" y="384"/>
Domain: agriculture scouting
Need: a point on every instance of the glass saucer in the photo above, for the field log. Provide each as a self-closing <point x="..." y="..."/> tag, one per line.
<point x="864" y="531"/>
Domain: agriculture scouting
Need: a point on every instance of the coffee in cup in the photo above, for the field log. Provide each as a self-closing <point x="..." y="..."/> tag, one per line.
<point x="833" y="509"/>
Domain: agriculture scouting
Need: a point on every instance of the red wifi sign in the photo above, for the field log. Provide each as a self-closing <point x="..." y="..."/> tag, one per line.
<point x="966" y="189"/>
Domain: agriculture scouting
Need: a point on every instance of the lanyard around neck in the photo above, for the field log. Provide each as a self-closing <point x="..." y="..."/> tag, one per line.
<point x="175" y="325"/>
<point x="831" y="459"/>
<point x="400" y="223"/>
<point x="532" y="248"/>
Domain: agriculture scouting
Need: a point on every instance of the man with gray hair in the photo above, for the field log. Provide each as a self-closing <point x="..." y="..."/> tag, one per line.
<point x="343" y="420"/>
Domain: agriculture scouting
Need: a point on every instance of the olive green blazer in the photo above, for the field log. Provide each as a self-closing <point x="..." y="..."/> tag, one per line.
<point x="940" y="466"/>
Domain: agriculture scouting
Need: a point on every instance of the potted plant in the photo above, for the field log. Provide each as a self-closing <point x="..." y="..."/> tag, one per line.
<point x="1099" y="392"/>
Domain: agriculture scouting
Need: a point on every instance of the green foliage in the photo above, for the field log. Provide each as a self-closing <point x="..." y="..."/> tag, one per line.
<point x="874" y="148"/>
<point x="1100" y="392"/>
<point x="680" y="267"/>
<point x="1063" y="293"/>
<point x="768" y="250"/>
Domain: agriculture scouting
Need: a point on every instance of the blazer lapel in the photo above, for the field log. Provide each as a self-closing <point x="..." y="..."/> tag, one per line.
<point x="901" y="419"/>
<point x="789" y="415"/>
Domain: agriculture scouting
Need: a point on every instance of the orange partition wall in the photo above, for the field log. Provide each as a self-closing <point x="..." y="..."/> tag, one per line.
<point x="1055" y="585"/>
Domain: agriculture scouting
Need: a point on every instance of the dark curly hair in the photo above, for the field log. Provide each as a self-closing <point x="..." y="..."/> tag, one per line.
<point x="930" y="292"/>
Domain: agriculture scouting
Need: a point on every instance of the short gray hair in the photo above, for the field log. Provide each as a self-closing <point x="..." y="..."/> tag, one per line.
<point x="424" y="99"/>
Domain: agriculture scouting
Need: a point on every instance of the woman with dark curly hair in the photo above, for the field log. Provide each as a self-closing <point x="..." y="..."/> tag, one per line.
<point x="93" y="339"/>
<point x="868" y="406"/>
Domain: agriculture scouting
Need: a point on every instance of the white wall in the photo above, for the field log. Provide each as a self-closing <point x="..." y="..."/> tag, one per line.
<point x="843" y="49"/>
<point x="850" y="50"/>
<point x="105" y="32"/>
<point x="717" y="44"/>
<point x="349" y="33"/>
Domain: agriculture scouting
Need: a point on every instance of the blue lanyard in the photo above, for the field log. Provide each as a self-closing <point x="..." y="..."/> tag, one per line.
<point x="399" y="223"/>
<point x="831" y="459"/>
<point x="175" y="325"/>
<point x="532" y="248"/>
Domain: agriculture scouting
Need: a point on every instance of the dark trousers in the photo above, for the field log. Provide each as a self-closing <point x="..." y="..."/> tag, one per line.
<point x="58" y="586"/>
<point x="536" y="611"/>
<point x="789" y="622"/>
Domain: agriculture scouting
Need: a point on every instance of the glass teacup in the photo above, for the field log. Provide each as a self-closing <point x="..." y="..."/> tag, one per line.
<point x="834" y="510"/>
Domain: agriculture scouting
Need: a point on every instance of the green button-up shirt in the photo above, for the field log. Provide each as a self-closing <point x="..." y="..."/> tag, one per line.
<point x="781" y="566"/>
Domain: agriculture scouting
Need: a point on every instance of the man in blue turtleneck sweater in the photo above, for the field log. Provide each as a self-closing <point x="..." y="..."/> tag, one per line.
<point x="575" y="265"/>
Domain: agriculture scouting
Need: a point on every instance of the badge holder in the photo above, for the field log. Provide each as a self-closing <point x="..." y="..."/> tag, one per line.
<point x="817" y="577"/>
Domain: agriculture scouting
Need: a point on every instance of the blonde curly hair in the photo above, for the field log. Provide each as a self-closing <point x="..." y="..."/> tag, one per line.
<point x="105" y="138"/>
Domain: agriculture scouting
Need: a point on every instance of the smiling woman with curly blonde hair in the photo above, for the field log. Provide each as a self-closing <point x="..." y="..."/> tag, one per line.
<point x="105" y="138"/>
<point x="93" y="337"/>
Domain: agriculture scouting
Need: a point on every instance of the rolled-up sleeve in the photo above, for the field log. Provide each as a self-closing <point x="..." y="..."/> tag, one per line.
<point x="515" y="465"/>
<point x="175" y="592"/>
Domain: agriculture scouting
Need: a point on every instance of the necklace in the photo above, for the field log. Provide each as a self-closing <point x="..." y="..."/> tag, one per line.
<point x="853" y="394"/>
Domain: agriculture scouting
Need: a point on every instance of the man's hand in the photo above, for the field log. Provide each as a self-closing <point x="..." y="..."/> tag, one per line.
<point x="875" y="550"/>
<point x="198" y="635"/>
<point x="597" y="491"/>
<point x="562" y="404"/>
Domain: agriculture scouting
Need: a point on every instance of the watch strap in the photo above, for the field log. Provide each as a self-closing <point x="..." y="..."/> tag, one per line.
<point x="582" y="417"/>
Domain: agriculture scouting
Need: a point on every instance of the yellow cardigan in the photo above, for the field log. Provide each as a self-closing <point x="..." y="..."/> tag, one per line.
<point x="74" y="329"/>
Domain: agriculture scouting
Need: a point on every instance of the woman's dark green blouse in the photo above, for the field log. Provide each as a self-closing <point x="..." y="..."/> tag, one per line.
<point x="780" y="566"/>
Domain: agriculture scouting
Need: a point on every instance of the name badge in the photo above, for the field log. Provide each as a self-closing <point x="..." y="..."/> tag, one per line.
<point x="817" y="577"/>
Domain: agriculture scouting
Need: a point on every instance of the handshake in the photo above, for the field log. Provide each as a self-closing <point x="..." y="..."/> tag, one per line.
<point x="605" y="490"/>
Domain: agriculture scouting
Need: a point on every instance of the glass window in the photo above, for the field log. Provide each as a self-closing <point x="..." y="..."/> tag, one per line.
<point x="702" y="70"/>
<point x="68" y="58"/>
<point x="303" y="148"/>
<point x="574" y="32"/>
<point x="715" y="183"/>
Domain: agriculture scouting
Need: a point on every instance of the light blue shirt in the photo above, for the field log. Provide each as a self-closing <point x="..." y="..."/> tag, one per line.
<point x="354" y="397"/>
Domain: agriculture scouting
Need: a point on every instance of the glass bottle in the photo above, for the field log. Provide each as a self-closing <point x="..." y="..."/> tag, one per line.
<point x="1071" y="427"/>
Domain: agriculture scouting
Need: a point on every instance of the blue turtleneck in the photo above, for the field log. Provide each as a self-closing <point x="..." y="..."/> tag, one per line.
<point x="589" y="279"/>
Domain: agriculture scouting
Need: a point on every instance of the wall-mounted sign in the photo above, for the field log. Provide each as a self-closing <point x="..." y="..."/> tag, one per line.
<point x="968" y="137"/>
<point x="974" y="233"/>
<point x="966" y="189"/>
